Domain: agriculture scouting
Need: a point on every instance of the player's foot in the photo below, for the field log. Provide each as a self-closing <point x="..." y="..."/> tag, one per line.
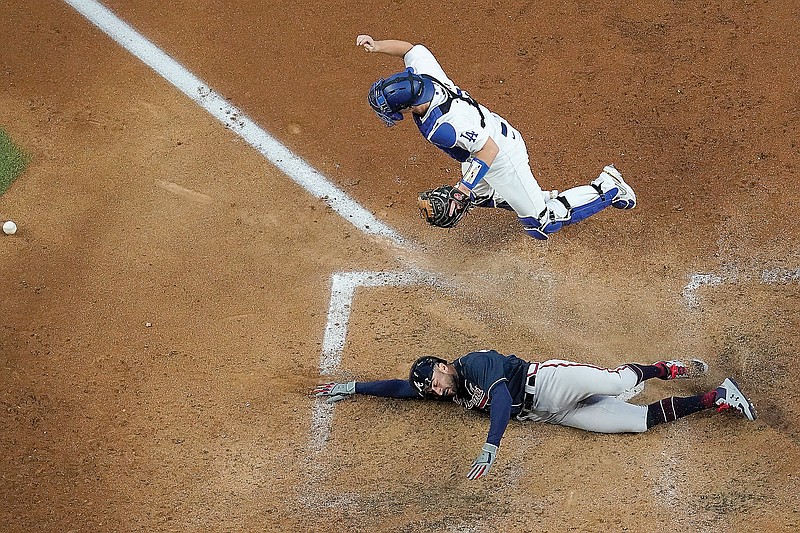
<point x="683" y="369"/>
<point x="550" y="195"/>
<point x="730" y="397"/>
<point x="625" y="198"/>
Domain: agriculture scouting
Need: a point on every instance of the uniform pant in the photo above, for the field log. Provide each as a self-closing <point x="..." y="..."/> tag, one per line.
<point x="510" y="181"/>
<point x="583" y="396"/>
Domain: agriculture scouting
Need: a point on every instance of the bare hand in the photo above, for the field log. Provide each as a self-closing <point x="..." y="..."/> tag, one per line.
<point x="367" y="42"/>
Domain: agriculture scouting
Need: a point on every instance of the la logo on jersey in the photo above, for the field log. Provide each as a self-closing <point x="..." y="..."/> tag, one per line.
<point x="470" y="136"/>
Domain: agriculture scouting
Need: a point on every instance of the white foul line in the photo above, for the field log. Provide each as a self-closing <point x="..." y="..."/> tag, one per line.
<point x="276" y="153"/>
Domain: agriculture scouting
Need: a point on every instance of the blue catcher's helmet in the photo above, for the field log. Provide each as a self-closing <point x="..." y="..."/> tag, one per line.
<point x="421" y="374"/>
<point x="389" y="96"/>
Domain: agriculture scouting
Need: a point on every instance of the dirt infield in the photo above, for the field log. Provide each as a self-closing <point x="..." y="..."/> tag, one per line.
<point x="165" y="300"/>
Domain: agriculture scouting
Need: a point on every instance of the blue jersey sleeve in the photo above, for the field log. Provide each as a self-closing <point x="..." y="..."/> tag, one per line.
<point x="388" y="388"/>
<point x="499" y="413"/>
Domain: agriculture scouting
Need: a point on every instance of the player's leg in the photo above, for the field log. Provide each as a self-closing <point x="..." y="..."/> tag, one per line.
<point x="488" y="197"/>
<point x="560" y="385"/>
<point x="606" y="414"/>
<point x="514" y="187"/>
<point x="576" y="204"/>
<point x="727" y="396"/>
<point x="483" y="195"/>
<point x="579" y="203"/>
<point x="666" y="370"/>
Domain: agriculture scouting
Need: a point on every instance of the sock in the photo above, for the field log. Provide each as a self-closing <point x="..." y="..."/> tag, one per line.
<point x="647" y="371"/>
<point x="673" y="408"/>
<point x="707" y="400"/>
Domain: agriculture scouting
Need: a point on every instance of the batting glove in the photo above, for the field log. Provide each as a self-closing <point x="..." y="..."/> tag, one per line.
<point x="484" y="461"/>
<point x="335" y="391"/>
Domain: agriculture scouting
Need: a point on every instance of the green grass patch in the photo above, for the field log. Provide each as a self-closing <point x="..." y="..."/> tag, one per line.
<point x="12" y="161"/>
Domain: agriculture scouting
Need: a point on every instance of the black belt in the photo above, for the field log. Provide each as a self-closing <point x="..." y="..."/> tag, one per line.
<point x="527" y="402"/>
<point x="527" y="405"/>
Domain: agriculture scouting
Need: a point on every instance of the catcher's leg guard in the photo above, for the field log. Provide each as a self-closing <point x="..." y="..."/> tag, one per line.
<point x="583" y="211"/>
<point x="536" y="228"/>
<point x="578" y="203"/>
<point x="586" y="200"/>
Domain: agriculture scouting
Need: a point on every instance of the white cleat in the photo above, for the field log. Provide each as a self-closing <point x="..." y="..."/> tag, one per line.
<point x="683" y="369"/>
<point x="730" y="397"/>
<point x="625" y="198"/>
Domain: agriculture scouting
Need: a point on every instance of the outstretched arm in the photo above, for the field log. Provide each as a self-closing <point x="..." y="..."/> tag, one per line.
<point x="391" y="47"/>
<point x="388" y="388"/>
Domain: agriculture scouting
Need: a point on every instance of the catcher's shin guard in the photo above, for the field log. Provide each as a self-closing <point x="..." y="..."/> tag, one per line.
<point x="583" y="201"/>
<point x="534" y="227"/>
<point x="582" y="212"/>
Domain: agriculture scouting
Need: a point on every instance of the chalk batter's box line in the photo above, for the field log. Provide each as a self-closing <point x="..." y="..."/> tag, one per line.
<point x="768" y="276"/>
<point x="343" y="290"/>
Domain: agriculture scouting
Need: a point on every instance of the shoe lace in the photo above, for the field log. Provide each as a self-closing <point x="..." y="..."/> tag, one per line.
<point x="676" y="370"/>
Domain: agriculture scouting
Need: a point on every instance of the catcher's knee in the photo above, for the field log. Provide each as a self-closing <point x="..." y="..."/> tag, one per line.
<point x="534" y="227"/>
<point x="491" y="202"/>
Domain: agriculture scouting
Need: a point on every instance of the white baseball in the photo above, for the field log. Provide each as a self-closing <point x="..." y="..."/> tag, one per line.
<point x="9" y="228"/>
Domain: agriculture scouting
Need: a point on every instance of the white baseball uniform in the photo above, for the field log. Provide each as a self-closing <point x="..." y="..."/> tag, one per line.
<point x="458" y="125"/>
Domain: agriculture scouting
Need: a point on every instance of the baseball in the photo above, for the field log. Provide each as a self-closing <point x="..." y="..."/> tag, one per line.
<point x="9" y="228"/>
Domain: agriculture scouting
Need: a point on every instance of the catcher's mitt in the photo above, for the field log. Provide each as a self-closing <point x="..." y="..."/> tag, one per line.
<point x="443" y="206"/>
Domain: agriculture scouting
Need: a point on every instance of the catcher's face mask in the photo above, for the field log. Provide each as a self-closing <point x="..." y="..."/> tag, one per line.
<point x="390" y="96"/>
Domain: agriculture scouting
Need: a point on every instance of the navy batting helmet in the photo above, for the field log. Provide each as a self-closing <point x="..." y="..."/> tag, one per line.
<point x="389" y="96"/>
<point x="421" y="374"/>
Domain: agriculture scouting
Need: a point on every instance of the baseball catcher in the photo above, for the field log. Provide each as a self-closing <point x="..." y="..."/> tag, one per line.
<point x="555" y="391"/>
<point x="495" y="171"/>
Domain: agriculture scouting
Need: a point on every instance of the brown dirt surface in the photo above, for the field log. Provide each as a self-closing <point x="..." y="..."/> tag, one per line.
<point x="165" y="299"/>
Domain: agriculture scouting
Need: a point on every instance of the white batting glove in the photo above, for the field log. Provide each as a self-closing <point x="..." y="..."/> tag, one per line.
<point x="335" y="391"/>
<point x="484" y="461"/>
